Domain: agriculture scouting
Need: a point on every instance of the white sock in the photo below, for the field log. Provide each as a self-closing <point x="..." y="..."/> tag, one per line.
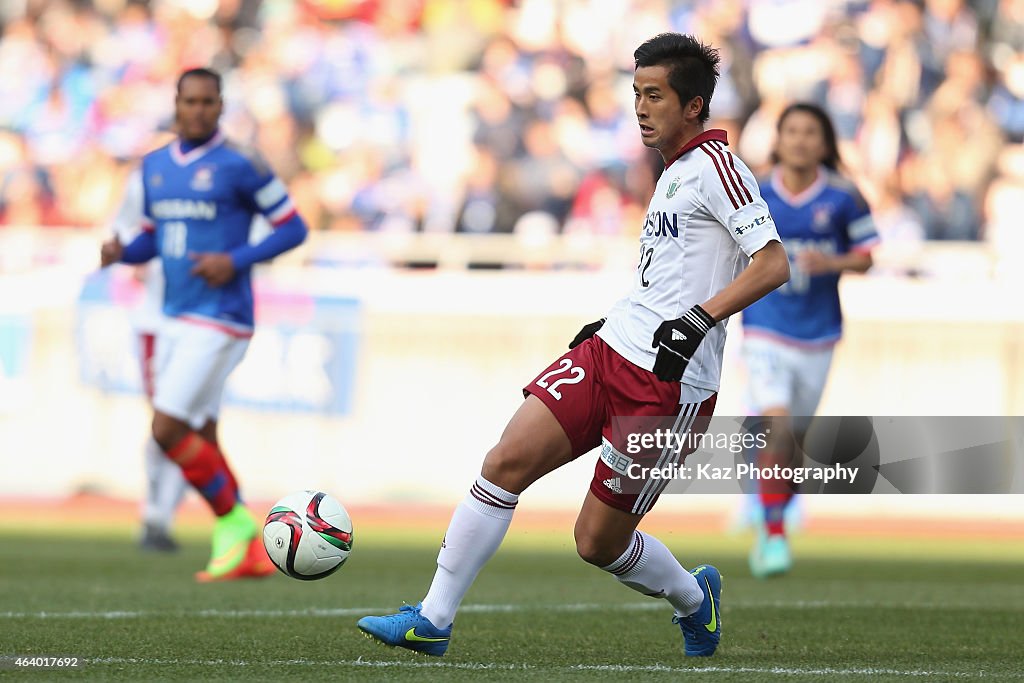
<point x="165" y="487"/>
<point x="650" y="568"/>
<point x="474" y="534"/>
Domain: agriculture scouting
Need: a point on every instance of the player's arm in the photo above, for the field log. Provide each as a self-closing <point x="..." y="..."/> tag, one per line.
<point x="286" y="235"/>
<point x="139" y="250"/>
<point x="815" y="262"/>
<point x="131" y="227"/>
<point x="768" y="270"/>
<point x="861" y="236"/>
<point x="677" y="340"/>
<point x="220" y="269"/>
<point x="588" y="331"/>
<point x="270" y="198"/>
<point x="730" y="194"/>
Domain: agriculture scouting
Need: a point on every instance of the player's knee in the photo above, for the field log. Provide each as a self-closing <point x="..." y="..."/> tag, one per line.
<point x="167" y="431"/>
<point x="504" y="467"/>
<point x="593" y="549"/>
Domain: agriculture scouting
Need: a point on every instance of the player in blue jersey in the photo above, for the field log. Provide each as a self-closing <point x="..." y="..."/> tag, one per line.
<point x="789" y="334"/>
<point x="200" y="194"/>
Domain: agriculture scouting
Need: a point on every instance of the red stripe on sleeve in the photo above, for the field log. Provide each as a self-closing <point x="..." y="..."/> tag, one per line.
<point x="721" y="175"/>
<point x="732" y="179"/>
<point x="739" y="178"/>
<point x="284" y="219"/>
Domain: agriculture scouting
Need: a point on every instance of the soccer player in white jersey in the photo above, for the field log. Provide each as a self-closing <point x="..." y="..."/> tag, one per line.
<point x="200" y="194"/>
<point x="165" y="484"/>
<point x="659" y="353"/>
<point x="789" y="334"/>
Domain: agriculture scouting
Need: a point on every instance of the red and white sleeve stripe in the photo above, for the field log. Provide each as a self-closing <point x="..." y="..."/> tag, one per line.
<point x="731" y="179"/>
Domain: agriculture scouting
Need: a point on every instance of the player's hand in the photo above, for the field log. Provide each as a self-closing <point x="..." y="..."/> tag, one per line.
<point x="110" y="252"/>
<point x="677" y="341"/>
<point x="588" y="331"/>
<point x="813" y="262"/>
<point x="216" y="268"/>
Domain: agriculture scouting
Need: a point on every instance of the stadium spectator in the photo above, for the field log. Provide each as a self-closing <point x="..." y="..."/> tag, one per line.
<point x="427" y="89"/>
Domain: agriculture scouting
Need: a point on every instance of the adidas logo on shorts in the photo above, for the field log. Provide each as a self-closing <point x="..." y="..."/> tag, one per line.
<point x="614" y="484"/>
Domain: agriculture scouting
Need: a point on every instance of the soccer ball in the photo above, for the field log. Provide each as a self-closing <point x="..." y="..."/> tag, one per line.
<point x="308" y="535"/>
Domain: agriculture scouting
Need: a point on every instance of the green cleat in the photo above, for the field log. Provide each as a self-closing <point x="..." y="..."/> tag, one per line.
<point x="232" y="555"/>
<point x="770" y="557"/>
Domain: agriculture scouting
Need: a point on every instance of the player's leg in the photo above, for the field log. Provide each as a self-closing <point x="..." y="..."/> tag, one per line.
<point x="771" y="381"/>
<point x="807" y="371"/>
<point x="209" y="432"/>
<point x="198" y="459"/>
<point x="256" y="562"/>
<point x="193" y="364"/>
<point x="606" y="534"/>
<point x="780" y="450"/>
<point x="165" y="484"/>
<point x="532" y="445"/>
<point x="165" y="489"/>
<point x="544" y="434"/>
<point x="810" y="378"/>
<point x="771" y="555"/>
<point x="607" y="538"/>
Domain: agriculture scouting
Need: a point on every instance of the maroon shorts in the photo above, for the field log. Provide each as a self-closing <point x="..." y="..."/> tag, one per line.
<point x="592" y="389"/>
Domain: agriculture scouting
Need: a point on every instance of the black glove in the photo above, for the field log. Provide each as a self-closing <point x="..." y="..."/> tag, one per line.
<point x="586" y="333"/>
<point x="677" y="341"/>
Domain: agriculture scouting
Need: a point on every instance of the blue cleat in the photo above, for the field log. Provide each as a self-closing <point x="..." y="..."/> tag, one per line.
<point x="703" y="629"/>
<point x="770" y="557"/>
<point x="408" y="629"/>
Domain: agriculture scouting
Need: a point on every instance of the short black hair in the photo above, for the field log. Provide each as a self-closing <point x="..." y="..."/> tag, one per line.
<point x="693" y="66"/>
<point x="201" y="72"/>
<point x="828" y="131"/>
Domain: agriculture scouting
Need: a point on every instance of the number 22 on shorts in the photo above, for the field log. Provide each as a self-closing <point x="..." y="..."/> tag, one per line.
<point x="565" y="365"/>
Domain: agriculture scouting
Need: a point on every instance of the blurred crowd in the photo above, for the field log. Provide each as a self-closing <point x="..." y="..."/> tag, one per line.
<point x="485" y="116"/>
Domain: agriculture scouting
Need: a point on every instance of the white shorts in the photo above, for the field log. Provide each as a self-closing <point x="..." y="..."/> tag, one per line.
<point x="781" y="375"/>
<point x="192" y="366"/>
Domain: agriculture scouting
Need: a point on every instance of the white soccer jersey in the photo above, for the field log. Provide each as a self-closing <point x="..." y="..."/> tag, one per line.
<point x="705" y="220"/>
<point x="127" y="224"/>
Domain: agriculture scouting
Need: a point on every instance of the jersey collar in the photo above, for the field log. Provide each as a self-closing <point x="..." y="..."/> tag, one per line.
<point x="812" y="191"/>
<point x="713" y="135"/>
<point x="186" y="158"/>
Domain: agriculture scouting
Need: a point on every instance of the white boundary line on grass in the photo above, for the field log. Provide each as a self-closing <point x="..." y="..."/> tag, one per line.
<point x="471" y="609"/>
<point x="611" y="668"/>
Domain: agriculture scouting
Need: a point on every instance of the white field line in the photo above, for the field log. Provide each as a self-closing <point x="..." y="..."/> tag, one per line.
<point x="651" y="606"/>
<point x="608" y="668"/>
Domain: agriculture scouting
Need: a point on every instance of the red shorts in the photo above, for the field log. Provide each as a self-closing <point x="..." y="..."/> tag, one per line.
<point x="592" y="389"/>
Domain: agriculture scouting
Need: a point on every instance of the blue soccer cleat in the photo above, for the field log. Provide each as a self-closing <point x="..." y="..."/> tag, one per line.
<point x="770" y="557"/>
<point x="408" y="629"/>
<point x="703" y="629"/>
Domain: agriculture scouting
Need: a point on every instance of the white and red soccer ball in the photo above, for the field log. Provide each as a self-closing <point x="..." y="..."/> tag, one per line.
<point x="308" y="535"/>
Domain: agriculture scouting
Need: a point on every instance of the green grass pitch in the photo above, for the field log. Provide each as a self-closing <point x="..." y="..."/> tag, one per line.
<point x="851" y="611"/>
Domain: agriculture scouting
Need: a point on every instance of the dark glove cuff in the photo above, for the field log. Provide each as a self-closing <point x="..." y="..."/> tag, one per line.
<point x="699" y="318"/>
